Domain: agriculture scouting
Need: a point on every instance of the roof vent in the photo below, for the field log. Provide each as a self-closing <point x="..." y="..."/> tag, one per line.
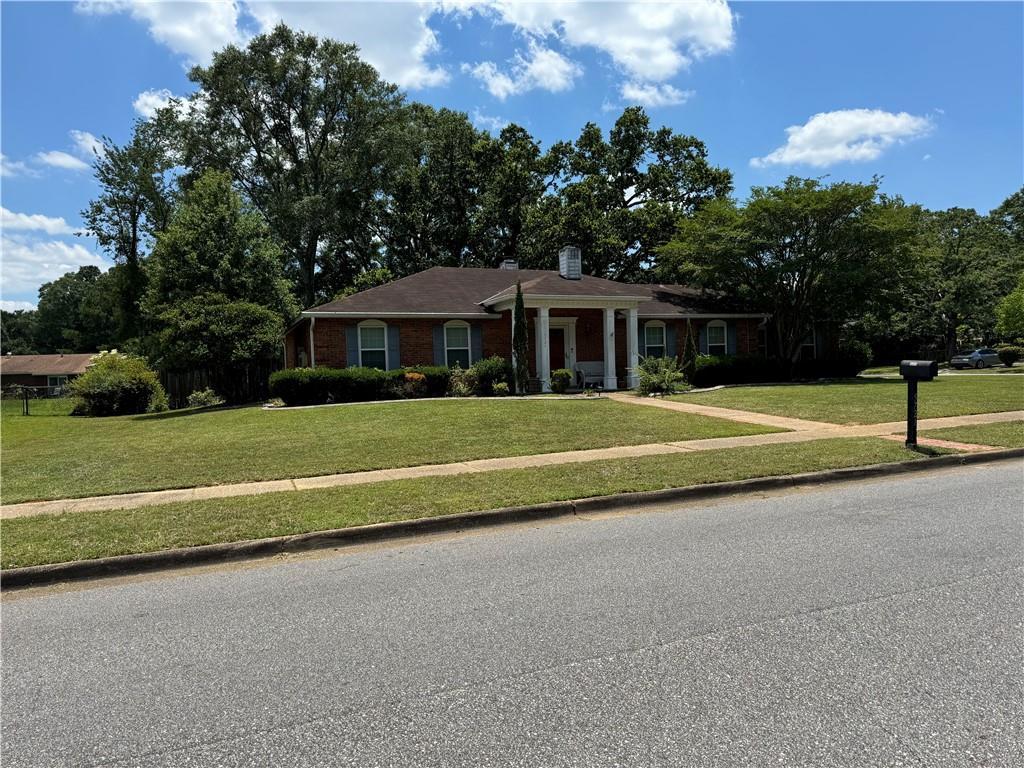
<point x="509" y="264"/>
<point x="570" y="263"/>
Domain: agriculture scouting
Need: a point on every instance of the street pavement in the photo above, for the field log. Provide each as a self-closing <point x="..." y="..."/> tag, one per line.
<point x="868" y="624"/>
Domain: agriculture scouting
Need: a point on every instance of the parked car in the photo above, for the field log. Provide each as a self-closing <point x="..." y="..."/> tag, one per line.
<point x="982" y="357"/>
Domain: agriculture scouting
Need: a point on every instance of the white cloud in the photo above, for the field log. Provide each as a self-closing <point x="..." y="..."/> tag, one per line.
<point x="540" y="68"/>
<point x="654" y="94"/>
<point x="10" y="168"/>
<point x="649" y="41"/>
<point x="149" y="102"/>
<point x="193" y="29"/>
<point x="59" y="159"/>
<point x="51" y="225"/>
<point x="846" y="135"/>
<point x="393" y="37"/>
<point x="14" y="306"/>
<point x="492" y="123"/>
<point x="27" y="264"/>
<point x="86" y="144"/>
<point x="927" y="157"/>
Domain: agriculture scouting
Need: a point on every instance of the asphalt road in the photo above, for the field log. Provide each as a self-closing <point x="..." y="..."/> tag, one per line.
<point x="870" y="624"/>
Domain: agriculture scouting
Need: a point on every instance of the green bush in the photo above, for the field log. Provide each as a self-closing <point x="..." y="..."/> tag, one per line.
<point x="489" y="372"/>
<point x="116" y="384"/>
<point x="561" y="378"/>
<point x="659" y="376"/>
<point x="1009" y="355"/>
<point x="501" y="389"/>
<point x="204" y="398"/>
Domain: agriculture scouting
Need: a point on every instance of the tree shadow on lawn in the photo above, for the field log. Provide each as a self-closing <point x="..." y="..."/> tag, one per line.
<point x="180" y="412"/>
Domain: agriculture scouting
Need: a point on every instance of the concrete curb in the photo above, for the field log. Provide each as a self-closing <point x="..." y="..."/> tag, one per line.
<point x="120" y="565"/>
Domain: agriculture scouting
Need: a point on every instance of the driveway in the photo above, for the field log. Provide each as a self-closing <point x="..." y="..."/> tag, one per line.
<point x="875" y="623"/>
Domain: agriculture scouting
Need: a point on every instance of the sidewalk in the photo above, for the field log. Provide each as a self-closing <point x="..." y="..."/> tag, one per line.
<point x="802" y="431"/>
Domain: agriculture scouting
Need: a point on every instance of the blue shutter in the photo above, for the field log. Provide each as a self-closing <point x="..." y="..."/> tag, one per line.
<point x="703" y="338"/>
<point x="352" y="345"/>
<point x="476" y="343"/>
<point x="730" y="337"/>
<point x="394" y="351"/>
<point x="670" y="339"/>
<point x="439" y="345"/>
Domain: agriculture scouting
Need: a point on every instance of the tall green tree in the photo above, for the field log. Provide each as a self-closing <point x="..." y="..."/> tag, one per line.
<point x="802" y="251"/>
<point x="79" y="312"/>
<point x="216" y="244"/>
<point x="619" y="198"/>
<point x="18" y="332"/>
<point x="1010" y="313"/>
<point x="305" y="128"/>
<point x="427" y="212"/>
<point x="217" y="298"/>
<point x="134" y="203"/>
<point x="514" y="177"/>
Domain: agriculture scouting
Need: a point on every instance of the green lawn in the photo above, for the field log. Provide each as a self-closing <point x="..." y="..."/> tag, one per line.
<point x="84" y="535"/>
<point x="48" y="457"/>
<point x="894" y="370"/>
<point x="1007" y="434"/>
<point x="871" y="401"/>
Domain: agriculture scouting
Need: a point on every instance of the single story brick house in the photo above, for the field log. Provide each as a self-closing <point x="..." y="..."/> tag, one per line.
<point x="446" y="315"/>
<point x="53" y="371"/>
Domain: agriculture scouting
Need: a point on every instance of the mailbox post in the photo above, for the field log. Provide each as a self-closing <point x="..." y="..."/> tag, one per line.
<point x="912" y="372"/>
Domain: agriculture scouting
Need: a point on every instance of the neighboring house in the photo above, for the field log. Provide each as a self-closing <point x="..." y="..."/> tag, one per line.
<point x="53" y="371"/>
<point x="446" y="315"/>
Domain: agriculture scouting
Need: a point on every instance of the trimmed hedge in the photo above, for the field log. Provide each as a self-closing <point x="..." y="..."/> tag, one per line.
<point x="315" y="386"/>
<point x="749" y="369"/>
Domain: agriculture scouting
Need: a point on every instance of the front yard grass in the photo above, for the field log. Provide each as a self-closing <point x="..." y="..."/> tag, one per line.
<point x="51" y="457"/>
<point x="86" y="535"/>
<point x="871" y="401"/>
<point x="1006" y="434"/>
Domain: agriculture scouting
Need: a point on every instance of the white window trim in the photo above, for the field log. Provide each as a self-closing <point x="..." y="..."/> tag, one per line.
<point x="469" y="339"/>
<point x="664" y="336"/>
<point x="62" y="381"/>
<point x="725" y="336"/>
<point x="359" y="340"/>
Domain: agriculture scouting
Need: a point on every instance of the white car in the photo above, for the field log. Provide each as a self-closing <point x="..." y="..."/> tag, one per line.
<point x="982" y="357"/>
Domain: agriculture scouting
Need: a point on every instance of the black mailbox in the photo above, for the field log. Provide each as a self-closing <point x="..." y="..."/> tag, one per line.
<point x="919" y="370"/>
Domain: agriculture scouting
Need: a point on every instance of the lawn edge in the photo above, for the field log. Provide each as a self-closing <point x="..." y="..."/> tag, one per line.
<point x="120" y="565"/>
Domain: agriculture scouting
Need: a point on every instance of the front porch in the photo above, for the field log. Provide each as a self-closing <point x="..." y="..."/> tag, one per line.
<point x="597" y="340"/>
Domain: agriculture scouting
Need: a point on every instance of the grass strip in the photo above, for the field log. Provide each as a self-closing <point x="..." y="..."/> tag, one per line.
<point x="86" y="535"/>
<point x="1006" y="434"/>
<point x="871" y="401"/>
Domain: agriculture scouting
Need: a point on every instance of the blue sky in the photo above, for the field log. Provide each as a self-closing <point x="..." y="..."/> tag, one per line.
<point x="928" y="95"/>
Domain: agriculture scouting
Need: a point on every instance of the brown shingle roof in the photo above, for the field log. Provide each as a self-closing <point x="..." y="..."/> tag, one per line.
<point x="462" y="291"/>
<point x="43" y="365"/>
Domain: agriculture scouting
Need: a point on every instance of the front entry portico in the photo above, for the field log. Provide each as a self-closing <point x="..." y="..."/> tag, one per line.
<point x="564" y="330"/>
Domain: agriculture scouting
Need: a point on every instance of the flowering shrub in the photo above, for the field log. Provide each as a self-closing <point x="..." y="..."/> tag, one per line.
<point x="501" y="389"/>
<point x="204" y="398"/>
<point x="463" y="383"/>
<point x="414" y="384"/>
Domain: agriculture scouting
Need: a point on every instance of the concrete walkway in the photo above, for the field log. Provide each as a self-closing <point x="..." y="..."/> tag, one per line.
<point x="802" y="431"/>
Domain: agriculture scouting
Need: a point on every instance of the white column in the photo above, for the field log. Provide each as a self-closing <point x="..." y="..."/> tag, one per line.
<point x="632" y="354"/>
<point x="611" y="381"/>
<point x="312" y="343"/>
<point x="543" y="349"/>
